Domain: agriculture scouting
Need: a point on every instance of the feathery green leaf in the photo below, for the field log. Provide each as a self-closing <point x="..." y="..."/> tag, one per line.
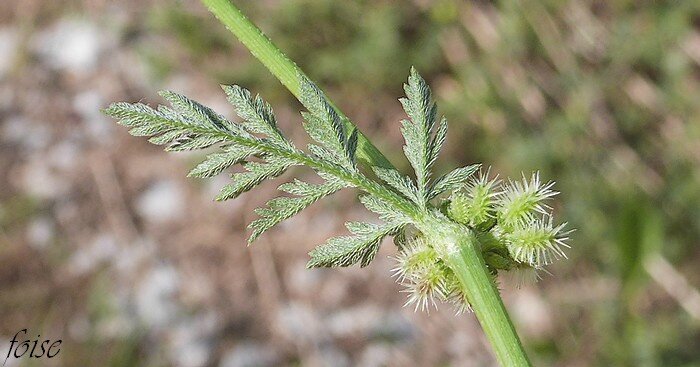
<point x="194" y="111"/>
<point x="256" y="172"/>
<point x="217" y="162"/>
<point x="349" y="250"/>
<point x="136" y="115"/>
<point x="193" y="142"/>
<point x="438" y="141"/>
<point x="282" y="208"/>
<point x="188" y="125"/>
<point x="452" y="180"/>
<point x="423" y="143"/>
<point x="257" y="114"/>
<point x="401" y="183"/>
<point x="325" y="126"/>
<point x="386" y="211"/>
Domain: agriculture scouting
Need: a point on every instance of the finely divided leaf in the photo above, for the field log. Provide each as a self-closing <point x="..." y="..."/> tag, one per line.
<point x="257" y="114"/>
<point x="188" y="125"/>
<point x="193" y="142"/>
<point x="136" y="115"/>
<point x="423" y="139"/>
<point x="165" y="138"/>
<point x="401" y="183"/>
<point x="255" y="173"/>
<point x="349" y="250"/>
<point x="282" y="208"/>
<point x="438" y="141"/>
<point x="386" y="211"/>
<point x="351" y="148"/>
<point x="325" y="126"/>
<point x="421" y="109"/>
<point x="217" y="162"/>
<point x="322" y="132"/>
<point x="194" y="111"/>
<point x="166" y="127"/>
<point x="453" y="180"/>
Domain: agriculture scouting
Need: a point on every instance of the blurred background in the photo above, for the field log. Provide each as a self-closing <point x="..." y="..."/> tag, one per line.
<point x="106" y="245"/>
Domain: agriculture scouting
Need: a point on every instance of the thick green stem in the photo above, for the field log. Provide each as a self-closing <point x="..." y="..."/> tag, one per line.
<point x="282" y="67"/>
<point x="483" y="295"/>
<point x="484" y="298"/>
<point x="461" y="250"/>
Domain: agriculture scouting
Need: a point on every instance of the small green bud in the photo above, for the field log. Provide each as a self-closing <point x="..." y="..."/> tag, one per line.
<point x="456" y="295"/>
<point x="474" y="206"/>
<point x="421" y="271"/>
<point x="427" y="278"/>
<point x="520" y="200"/>
<point x="458" y="208"/>
<point x="537" y="242"/>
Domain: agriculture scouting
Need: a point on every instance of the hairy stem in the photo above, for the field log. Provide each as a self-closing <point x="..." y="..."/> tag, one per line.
<point x="459" y="248"/>
<point x="282" y="68"/>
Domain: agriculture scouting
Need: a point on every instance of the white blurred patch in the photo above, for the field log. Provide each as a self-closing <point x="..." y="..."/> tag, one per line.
<point x="134" y="255"/>
<point x="533" y="314"/>
<point x="299" y="322"/>
<point x="72" y="45"/>
<point x="102" y="249"/>
<point x="40" y="232"/>
<point x="330" y="355"/>
<point x="376" y="355"/>
<point x="43" y="176"/>
<point x="354" y="321"/>
<point x="18" y="129"/>
<point x="250" y="354"/>
<point x="8" y="49"/>
<point x="88" y="104"/>
<point x="189" y="342"/>
<point x="162" y="202"/>
<point x="155" y="295"/>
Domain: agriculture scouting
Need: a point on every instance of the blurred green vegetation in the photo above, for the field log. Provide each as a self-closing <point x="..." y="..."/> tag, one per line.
<point x="604" y="97"/>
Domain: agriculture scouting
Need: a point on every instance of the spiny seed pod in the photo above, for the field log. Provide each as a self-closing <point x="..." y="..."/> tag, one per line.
<point x="520" y="200"/>
<point x="537" y="242"/>
<point x="420" y="270"/>
<point x="456" y="295"/>
<point x="427" y="278"/>
<point x="474" y="205"/>
<point x="513" y="227"/>
<point x="414" y="256"/>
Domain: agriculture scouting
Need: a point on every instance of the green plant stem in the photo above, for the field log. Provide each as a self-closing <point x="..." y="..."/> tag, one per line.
<point x="483" y="295"/>
<point x="461" y="251"/>
<point x="465" y="259"/>
<point x="282" y="68"/>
